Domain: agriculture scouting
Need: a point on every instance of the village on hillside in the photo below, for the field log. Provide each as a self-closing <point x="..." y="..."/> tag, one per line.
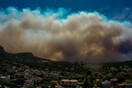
<point x="22" y="76"/>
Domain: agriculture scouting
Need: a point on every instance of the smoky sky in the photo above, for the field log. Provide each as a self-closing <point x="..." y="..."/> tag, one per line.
<point x="59" y="35"/>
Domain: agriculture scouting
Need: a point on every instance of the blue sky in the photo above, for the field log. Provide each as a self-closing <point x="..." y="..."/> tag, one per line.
<point x="74" y="4"/>
<point x="115" y="9"/>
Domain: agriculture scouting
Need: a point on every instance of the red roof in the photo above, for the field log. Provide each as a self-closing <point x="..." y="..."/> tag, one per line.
<point x="61" y="76"/>
<point x="97" y="80"/>
<point x="114" y="79"/>
<point x="122" y="84"/>
<point x="39" y="79"/>
<point x="80" y="83"/>
<point x="53" y="81"/>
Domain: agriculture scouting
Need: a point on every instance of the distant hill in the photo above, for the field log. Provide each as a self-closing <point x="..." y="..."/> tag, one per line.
<point x="29" y="56"/>
<point x="29" y="59"/>
<point x="23" y="58"/>
<point x="34" y="62"/>
<point x="25" y="55"/>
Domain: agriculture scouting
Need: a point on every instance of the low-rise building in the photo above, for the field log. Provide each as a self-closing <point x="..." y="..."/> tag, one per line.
<point x="129" y="85"/>
<point x="106" y="84"/>
<point x="28" y="82"/>
<point x="4" y="78"/>
<point x="69" y="84"/>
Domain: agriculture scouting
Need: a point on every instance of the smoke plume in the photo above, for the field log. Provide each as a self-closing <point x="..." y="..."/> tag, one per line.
<point x="58" y="35"/>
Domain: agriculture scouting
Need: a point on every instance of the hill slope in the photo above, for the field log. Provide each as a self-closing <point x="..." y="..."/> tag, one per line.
<point x="30" y="60"/>
<point x="34" y="62"/>
<point x="21" y="58"/>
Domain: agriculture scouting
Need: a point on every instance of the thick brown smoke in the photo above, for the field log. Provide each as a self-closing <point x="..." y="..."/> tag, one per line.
<point x="82" y="36"/>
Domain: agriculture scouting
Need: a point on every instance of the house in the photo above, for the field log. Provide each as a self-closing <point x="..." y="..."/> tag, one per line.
<point x="55" y="75"/>
<point x="26" y="75"/>
<point x="129" y="85"/>
<point x="18" y="76"/>
<point x="53" y="81"/>
<point x="80" y="83"/>
<point x="28" y="82"/>
<point x="114" y="81"/>
<point x="106" y="84"/>
<point x="97" y="80"/>
<point x="38" y="79"/>
<point x="109" y="75"/>
<point x="122" y="85"/>
<point x="69" y="84"/>
<point x="4" y="78"/>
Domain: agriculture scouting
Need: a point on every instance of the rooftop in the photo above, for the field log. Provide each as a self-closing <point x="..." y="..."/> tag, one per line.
<point x="64" y="80"/>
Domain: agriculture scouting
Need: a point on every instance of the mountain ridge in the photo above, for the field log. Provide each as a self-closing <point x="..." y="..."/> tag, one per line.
<point x="23" y="55"/>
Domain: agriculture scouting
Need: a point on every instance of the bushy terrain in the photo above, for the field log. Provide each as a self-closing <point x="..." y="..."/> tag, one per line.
<point x="34" y="62"/>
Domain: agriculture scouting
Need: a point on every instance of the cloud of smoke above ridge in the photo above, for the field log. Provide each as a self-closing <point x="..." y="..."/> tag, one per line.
<point x="82" y="36"/>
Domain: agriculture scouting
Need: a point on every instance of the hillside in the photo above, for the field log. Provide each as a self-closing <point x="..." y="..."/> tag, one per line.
<point x="21" y="58"/>
<point x="34" y="62"/>
<point x="118" y="64"/>
<point x="30" y="60"/>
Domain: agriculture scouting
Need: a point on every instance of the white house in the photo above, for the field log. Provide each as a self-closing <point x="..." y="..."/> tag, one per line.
<point x="4" y="78"/>
<point x="106" y="84"/>
<point x="69" y="84"/>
